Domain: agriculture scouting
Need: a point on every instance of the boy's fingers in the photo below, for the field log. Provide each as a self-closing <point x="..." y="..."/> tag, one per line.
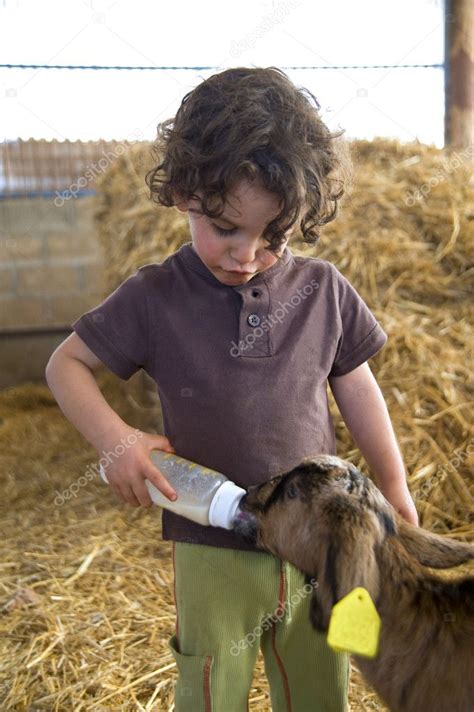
<point x="164" y="444"/>
<point x="141" y="493"/>
<point x="169" y="447"/>
<point x="126" y="493"/>
<point x="157" y="478"/>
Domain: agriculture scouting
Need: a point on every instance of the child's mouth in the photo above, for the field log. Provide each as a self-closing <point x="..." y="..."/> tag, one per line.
<point x="235" y="271"/>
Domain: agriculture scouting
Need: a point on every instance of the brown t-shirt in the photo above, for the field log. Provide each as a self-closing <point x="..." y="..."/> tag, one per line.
<point x="241" y="371"/>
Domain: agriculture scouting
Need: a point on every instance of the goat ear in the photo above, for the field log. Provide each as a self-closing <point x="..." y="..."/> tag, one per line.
<point x="349" y="562"/>
<point x="433" y="550"/>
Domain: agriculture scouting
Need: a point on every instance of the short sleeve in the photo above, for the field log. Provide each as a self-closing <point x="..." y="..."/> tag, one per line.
<point x="117" y="329"/>
<point x="361" y="336"/>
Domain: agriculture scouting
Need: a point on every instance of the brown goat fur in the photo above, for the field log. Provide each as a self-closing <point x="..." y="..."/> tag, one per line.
<point x="331" y="522"/>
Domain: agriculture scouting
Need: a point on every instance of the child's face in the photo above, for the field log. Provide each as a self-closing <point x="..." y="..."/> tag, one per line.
<point x="237" y="256"/>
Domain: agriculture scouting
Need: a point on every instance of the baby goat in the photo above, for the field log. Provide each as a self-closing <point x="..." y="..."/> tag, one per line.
<point x="331" y="522"/>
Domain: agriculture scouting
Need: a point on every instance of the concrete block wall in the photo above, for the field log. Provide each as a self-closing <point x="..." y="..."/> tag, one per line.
<point x="50" y="273"/>
<point x="50" y="261"/>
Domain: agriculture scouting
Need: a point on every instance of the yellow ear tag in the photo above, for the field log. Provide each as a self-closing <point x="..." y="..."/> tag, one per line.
<point x="354" y="626"/>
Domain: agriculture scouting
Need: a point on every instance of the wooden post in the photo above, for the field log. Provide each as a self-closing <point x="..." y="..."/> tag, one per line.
<point x="459" y="74"/>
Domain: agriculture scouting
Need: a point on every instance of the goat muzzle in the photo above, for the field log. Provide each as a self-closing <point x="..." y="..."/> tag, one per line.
<point x="246" y="525"/>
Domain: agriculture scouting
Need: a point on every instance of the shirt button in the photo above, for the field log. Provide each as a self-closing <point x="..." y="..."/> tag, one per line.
<point x="253" y="319"/>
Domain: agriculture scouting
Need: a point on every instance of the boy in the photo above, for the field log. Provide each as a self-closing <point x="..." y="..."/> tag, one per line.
<point x="241" y="337"/>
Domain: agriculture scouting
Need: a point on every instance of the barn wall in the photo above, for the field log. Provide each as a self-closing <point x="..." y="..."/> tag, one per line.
<point x="50" y="273"/>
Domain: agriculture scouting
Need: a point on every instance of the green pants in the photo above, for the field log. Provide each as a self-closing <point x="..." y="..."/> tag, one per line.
<point x="228" y="604"/>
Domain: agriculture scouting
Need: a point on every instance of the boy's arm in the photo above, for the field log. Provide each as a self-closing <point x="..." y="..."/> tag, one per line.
<point x="365" y="413"/>
<point x="69" y="375"/>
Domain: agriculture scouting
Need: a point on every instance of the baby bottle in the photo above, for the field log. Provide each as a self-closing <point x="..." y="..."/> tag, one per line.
<point x="205" y="496"/>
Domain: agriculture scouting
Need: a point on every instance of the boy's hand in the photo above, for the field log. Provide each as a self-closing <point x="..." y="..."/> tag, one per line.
<point x="401" y="500"/>
<point x="128" y="471"/>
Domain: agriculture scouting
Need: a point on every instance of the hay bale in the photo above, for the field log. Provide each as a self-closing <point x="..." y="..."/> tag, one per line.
<point x="388" y="230"/>
<point x="132" y="230"/>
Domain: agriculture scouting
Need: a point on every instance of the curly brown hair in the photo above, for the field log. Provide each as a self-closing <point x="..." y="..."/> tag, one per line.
<point x="252" y="123"/>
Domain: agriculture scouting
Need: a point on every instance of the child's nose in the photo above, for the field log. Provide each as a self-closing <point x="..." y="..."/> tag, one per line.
<point x="245" y="252"/>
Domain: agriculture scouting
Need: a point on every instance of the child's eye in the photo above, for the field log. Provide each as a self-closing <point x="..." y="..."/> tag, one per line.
<point x="222" y="231"/>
